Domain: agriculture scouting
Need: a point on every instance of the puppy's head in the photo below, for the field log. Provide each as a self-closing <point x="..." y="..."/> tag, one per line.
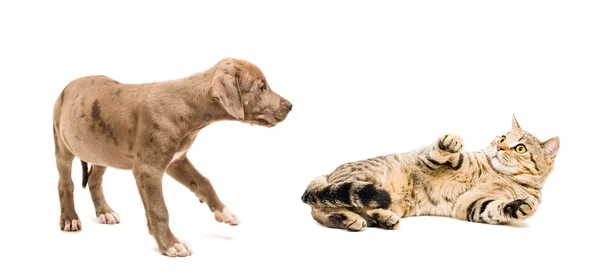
<point x="242" y="90"/>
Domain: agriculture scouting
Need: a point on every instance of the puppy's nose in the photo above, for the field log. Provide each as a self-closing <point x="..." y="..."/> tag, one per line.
<point x="288" y="106"/>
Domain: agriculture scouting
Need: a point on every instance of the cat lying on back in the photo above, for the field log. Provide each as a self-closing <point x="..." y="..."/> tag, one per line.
<point x="495" y="185"/>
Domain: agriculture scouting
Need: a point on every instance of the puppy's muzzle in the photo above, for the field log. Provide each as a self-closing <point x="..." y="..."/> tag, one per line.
<point x="288" y="106"/>
<point x="285" y="108"/>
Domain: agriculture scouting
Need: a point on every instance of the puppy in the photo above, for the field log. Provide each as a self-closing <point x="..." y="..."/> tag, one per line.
<point x="148" y="128"/>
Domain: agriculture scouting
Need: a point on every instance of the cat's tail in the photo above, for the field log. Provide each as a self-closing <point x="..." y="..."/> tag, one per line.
<point x="355" y="194"/>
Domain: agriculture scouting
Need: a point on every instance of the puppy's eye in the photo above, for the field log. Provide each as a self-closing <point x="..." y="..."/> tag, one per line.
<point x="502" y="139"/>
<point x="262" y="87"/>
<point x="520" y="149"/>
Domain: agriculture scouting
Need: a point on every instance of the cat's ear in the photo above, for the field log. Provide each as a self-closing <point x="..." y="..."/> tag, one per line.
<point x="551" y="148"/>
<point x="515" y="124"/>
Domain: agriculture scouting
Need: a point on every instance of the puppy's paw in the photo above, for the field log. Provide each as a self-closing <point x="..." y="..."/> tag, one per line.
<point x="226" y="216"/>
<point x="70" y="225"/>
<point x="179" y="250"/>
<point x="109" y="218"/>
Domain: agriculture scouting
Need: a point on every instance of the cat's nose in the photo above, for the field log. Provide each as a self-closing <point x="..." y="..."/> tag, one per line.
<point x="499" y="147"/>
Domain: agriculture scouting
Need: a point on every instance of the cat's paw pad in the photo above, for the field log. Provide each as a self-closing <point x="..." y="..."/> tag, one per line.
<point x="110" y="218"/>
<point x="226" y="216"/>
<point x="520" y="209"/>
<point x="450" y="143"/>
<point x="353" y="223"/>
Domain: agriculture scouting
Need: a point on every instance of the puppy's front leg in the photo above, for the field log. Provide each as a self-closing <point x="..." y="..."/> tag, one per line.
<point x="184" y="172"/>
<point x="149" y="182"/>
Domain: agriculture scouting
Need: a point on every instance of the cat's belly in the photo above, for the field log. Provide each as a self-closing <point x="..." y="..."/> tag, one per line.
<point x="414" y="193"/>
<point x="399" y="185"/>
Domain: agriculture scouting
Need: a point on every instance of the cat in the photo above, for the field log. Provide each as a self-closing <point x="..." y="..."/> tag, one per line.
<point x="500" y="183"/>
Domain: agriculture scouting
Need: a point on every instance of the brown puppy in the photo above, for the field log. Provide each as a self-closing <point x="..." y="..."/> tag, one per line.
<point x="148" y="128"/>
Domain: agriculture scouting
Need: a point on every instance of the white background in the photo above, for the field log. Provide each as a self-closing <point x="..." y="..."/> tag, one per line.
<point x="366" y="79"/>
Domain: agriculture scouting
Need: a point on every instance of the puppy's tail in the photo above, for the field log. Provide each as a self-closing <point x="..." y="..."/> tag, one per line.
<point x="355" y="194"/>
<point x="85" y="174"/>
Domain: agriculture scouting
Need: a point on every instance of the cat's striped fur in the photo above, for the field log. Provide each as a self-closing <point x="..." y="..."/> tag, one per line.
<point x="496" y="185"/>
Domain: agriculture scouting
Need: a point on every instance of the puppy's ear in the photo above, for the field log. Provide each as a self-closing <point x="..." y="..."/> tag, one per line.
<point x="226" y="92"/>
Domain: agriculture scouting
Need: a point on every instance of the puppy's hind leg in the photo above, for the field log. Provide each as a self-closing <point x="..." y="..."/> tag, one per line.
<point x="104" y="213"/>
<point x="184" y="172"/>
<point x="69" y="220"/>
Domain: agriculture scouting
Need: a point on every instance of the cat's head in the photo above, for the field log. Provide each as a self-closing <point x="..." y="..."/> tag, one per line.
<point x="520" y="154"/>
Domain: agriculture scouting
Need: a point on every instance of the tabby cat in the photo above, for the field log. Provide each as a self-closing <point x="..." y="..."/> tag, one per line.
<point x="495" y="185"/>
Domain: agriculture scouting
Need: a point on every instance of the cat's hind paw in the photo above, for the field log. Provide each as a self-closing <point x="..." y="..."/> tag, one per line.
<point x="351" y="222"/>
<point x="383" y="218"/>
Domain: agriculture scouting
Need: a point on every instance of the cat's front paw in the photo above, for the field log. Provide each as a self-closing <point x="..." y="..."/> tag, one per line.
<point x="521" y="208"/>
<point x="492" y="213"/>
<point x="450" y="143"/>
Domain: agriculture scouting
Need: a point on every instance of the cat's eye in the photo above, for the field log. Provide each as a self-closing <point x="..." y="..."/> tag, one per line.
<point x="502" y="139"/>
<point x="520" y="149"/>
